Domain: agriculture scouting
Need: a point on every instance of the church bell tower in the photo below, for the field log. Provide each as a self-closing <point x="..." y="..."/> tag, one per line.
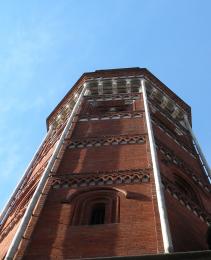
<point x="119" y="173"/>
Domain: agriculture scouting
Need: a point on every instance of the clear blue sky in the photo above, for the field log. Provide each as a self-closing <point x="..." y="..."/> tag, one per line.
<point x="46" y="45"/>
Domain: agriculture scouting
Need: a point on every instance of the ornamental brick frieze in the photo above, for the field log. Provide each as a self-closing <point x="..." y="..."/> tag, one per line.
<point x="111" y="115"/>
<point x="17" y="211"/>
<point x="111" y="86"/>
<point x="131" y="96"/>
<point x="118" y="177"/>
<point x="28" y="186"/>
<point x="107" y="140"/>
<point x="19" y="205"/>
<point x="63" y="111"/>
<point x="47" y="146"/>
<point x="4" y="231"/>
<point x="170" y="158"/>
<point x="31" y="178"/>
<point x="166" y="104"/>
<point x="173" y="136"/>
<point x="24" y="194"/>
<point x="155" y="108"/>
<point x="195" y="208"/>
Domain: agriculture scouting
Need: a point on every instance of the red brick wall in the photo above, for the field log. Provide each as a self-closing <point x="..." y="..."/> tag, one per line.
<point x="188" y="229"/>
<point x="135" y="234"/>
<point x="8" y="229"/>
<point x="138" y="230"/>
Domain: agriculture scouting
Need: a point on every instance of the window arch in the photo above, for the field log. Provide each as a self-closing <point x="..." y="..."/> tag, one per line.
<point x="95" y="207"/>
<point x="186" y="189"/>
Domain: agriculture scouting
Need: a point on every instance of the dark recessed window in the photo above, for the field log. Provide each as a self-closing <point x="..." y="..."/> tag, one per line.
<point x="97" y="214"/>
<point x="96" y="207"/>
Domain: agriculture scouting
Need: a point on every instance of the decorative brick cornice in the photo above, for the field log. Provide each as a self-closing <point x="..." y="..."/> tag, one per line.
<point x="4" y="231"/>
<point x="28" y="185"/>
<point x="117" y="177"/>
<point x="156" y="107"/>
<point x="171" y="158"/>
<point x="60" y="120"/>
<point x="173" y="136"/>
<point x="115" y="74"/>
<point x="131" y="96"/>
<point x="197" y="210"/>
<point x="111" y="116"/>
<point x="107" y="140"/>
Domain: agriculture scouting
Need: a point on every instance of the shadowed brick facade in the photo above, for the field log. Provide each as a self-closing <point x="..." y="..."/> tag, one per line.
<point x="100" y="197"/>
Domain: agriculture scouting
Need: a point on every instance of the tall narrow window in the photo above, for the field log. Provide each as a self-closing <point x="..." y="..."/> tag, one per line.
<point x="97" y="214"/>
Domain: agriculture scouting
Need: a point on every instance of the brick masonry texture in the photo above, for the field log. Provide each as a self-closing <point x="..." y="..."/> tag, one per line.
<point x="61" y="229"/>
<point x="138" y="229"/>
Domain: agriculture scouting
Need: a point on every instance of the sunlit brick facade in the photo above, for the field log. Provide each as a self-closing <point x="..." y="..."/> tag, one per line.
<point x="102" y="196"/>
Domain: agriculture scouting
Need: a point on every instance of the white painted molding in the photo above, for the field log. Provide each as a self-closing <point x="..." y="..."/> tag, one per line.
<point x="167" y="241"/>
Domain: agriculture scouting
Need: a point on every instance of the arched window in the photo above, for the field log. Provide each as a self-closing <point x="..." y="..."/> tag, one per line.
<point x="97" y="215"/>
<point x="186" y="189"/>
<point x="96" y="207"/>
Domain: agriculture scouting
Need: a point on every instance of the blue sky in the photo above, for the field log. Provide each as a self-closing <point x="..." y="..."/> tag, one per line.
<point x="46" y="45"/>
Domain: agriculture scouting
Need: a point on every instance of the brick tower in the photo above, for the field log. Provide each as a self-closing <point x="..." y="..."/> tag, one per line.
<point x="119" y="173"/>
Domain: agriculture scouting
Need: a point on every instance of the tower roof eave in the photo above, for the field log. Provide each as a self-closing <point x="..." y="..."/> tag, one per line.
<point x="120" y="72"/>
